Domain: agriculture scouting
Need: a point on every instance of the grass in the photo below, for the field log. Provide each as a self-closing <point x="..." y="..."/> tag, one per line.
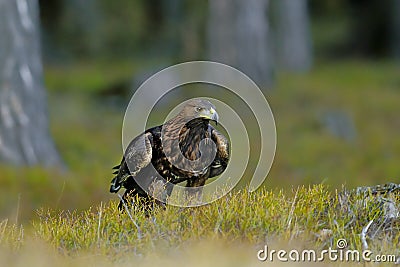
<point x="86" y="77"/>
<point x="307" y="218"/>
<point x="48" y="216"/>
<point x="367" y="93"/>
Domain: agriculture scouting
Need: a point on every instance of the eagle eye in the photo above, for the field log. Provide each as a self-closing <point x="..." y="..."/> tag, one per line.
<point x="198" y="109"/>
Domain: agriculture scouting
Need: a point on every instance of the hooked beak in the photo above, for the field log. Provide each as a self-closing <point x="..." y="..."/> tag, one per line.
<point x="211" y="115"/>
<point x="214" y="115"/>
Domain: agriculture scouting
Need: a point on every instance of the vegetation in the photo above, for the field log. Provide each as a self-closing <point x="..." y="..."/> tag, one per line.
<point x="337" y="128"/>
<point x="307" y="218"/>
<point x="77" y="216"/>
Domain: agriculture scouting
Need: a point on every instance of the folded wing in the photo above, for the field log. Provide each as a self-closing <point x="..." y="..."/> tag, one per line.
<point x="137" y="156"/>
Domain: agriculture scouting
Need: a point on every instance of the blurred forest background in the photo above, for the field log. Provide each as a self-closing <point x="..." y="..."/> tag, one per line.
<point x="329" y="69"/>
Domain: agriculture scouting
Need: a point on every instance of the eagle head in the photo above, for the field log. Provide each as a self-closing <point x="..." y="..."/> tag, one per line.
<point x="199" y="108"/>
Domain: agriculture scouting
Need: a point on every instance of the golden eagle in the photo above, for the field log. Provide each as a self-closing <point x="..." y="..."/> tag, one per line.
<point x="182" y="140"/>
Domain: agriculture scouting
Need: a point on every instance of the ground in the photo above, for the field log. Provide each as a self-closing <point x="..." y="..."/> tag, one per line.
<point x="73" y="214"/>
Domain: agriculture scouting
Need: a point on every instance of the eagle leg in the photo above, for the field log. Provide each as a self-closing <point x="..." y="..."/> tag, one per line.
<point x="161" y="189"/>
<point x="195" y="194"/>
<point x="132" y="196"/>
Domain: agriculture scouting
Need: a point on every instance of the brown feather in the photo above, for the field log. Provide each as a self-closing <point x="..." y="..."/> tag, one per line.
<point x="145" y="158"/>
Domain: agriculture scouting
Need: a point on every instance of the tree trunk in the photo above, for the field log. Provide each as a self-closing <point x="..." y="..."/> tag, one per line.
<point x="221" y="33"/>
<point x="238" y="35"/>
<point x="24" y="130"/>
<point x="293" y="38"/>
<point x="81" y="20"/>
<point x="254" y="53"/>
<point x="396" y="28"/>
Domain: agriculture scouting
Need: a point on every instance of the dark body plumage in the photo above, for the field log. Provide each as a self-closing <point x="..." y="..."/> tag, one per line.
<point x="145" y="159"/>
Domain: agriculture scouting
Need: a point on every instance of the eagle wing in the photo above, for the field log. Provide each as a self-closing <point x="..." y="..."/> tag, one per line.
<point x="222" y="157"/>
<point x="137" y="156"/>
